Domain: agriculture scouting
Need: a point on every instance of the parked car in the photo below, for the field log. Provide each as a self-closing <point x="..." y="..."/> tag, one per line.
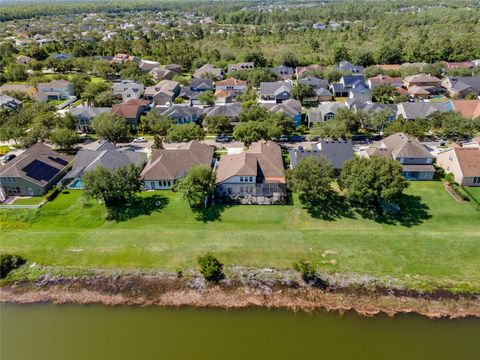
<point x="139" y="140"/>
<point x="8" y="157"/>
<point x="297" y="138"/>
<point x="223" y="138"/>
<point x="282" y="138"/>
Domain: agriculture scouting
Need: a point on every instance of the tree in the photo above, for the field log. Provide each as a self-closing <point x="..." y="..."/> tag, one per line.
<point x="218" y="124"/>
<point x="383" y="94"/>
<point x="256" y="57"/>
<point x="210" y="267"/>
<point x="207" y="98"/>
<point x="157" y="142"/>
<point x="302" y="92"/>
<point x="185" y="132"/>
<point x="105" y="99"/>
<point x="79" y="83"/>
<point x="15" y="72"/>
<point x="306" y="269"/>
<point x="92" y="90"/>
<point x="250" y="131"/>
<point x="372" y="183"/>
<point x="340" y="53"/>
<point x="253" y="113"/>
<point x="64" y="138"/>
<point x="363" y="58"/>
<point x="349" y="118"/>
<point x="114" y="187"/>
<point x="110" y="127"/>
<point x="390" y="54"/>
<point x="103" y="69"/>
<point x="10" y="262"/>
<point x="311" y="179"/>
<point x="155" y="122"/>
<point x="379" y="119"/>
<point x="289" y="59"/>
<point x="197" y="186"/>
<point x="329" y="129"/>
<point x="279" y="124"/>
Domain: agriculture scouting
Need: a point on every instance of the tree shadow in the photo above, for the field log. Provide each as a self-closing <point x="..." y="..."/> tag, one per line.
<point x="137" y="207"/>
<point x="413" y="212"/>
<point x="331" y="209"/>
<point x="211" y="213"/>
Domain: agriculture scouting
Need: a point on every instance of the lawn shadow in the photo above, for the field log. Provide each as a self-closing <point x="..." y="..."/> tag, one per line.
<point x="333" y="208"/>
<point x="211" y="213"/>
<point x="413" y="212"/>
<point x="138" y="207"/>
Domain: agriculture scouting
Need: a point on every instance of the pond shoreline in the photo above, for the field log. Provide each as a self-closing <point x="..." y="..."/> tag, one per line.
<point x="168" y="290"/>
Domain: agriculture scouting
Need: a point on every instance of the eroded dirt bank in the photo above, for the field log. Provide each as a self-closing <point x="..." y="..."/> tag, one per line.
<point x="169" y="290"/>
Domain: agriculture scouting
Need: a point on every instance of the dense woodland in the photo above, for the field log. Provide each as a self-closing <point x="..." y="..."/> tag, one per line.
<point x="371" y="32"/>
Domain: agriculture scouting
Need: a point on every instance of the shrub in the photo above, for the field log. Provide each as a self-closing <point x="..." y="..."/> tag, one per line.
<point x="211" y="268"/>
<point x="9" y="262"/>
<point x="307" y="269"/>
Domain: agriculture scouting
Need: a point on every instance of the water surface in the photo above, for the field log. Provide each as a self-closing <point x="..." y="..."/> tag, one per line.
<point x="70" y="332"/>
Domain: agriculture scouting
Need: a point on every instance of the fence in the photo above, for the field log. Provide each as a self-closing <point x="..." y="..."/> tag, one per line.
<point x="13" y="206"/>
<point x="267" y="193"/>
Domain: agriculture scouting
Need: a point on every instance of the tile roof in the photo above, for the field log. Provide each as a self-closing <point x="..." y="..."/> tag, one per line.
<point x="173" y="164"/>
<point x="469" y="161"/>
<point x="262" y="159"/>
<point x="231" y="82"/>
<point x="126" y="111"/>
<point x="467" y="108"/>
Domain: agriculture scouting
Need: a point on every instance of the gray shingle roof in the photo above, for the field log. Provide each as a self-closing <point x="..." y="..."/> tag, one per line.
<point x="336" y="151"/>
<point x="272" y="88"/>
<point x="106" y="155"/>
<point x="413" y="110"/>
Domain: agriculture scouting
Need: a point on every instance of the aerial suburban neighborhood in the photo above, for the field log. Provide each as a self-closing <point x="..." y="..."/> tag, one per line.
<point x="302" y="155"/>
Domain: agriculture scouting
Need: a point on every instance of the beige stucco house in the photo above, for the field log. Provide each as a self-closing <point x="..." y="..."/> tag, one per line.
<point x="463" y="163"/>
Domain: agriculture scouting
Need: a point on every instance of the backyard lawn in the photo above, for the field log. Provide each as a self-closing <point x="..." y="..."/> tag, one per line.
<point x="436" y="242"/>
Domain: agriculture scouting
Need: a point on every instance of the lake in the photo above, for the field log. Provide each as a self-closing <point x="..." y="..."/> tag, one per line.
<point x="70" y="332"/>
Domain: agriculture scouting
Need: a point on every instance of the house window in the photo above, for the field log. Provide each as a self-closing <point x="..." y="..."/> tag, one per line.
<point x="251" y="178"/>
<point x="241" y="178"/>
<point x="329" y="116"/>
<point x="152" y="184"/>
<point x="476" y="180"/>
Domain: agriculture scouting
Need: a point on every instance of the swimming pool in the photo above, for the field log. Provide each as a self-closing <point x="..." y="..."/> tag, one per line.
<point x="76" y="184"/>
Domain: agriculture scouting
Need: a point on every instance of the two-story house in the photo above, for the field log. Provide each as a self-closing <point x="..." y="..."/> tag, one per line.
<point x="244" y="66"/>
<point x="164" y="93"/>
<point x="255" y="176"/>
<point x="127" y="89"/>
<point x="55" y="90"/>
<point x="290" y="107"/>
<point x="283" y="72"/>
<point x="183" y="114"/>
<point x="84" y="115"/>
<point x="169" y="165"/>
<point x="463" y="163"/>
<point x="34" y="172"/>
<point x="414" y="157"/>
<point x="276" y="92"/>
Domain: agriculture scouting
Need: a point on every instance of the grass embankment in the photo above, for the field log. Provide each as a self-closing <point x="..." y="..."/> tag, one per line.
<point x="436" y="243"/>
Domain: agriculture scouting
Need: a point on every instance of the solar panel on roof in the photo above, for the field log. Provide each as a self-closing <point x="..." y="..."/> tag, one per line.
<point x="59" y="160"/>
<point x="39" y="171"/>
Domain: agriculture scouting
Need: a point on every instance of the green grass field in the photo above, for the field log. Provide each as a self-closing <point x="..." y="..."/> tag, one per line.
<point x="436" y="243"/>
